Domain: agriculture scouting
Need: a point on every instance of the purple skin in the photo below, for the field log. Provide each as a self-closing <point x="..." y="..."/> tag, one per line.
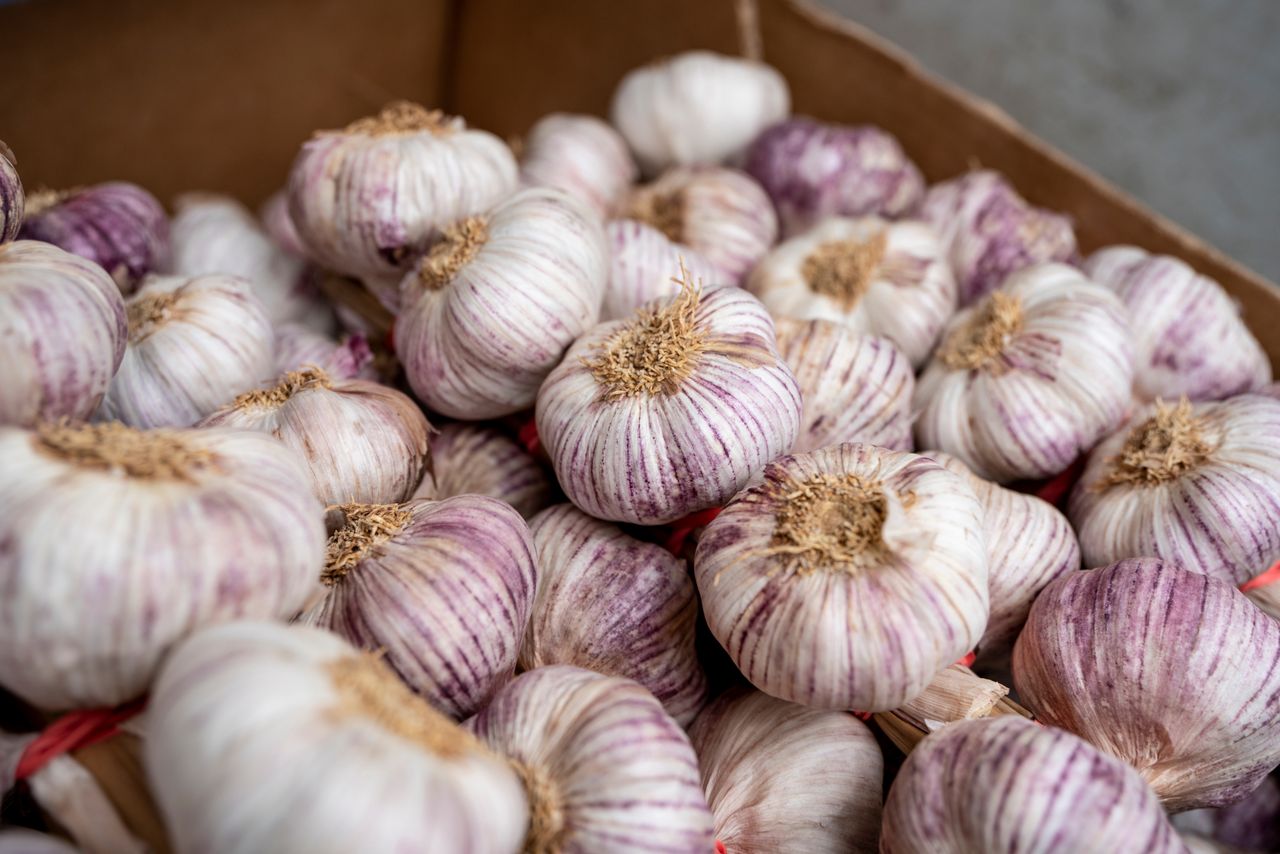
<point x="12" y="198"/>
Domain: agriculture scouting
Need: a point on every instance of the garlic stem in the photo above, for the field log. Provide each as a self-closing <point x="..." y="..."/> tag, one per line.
<point x="955" y="694"/>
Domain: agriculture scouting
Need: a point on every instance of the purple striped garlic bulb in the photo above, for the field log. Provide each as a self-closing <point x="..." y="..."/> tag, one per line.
<point x="814" y="170"/>
<point x="613" y="604"/>
<point x="1174" y="672"/>
<point x="1029" y="378"/>
<point x="847" y="579"/>
<point x="581" y="156"/>
<point x="1006" y="786"/>
<point x="604" y="767"/>
<point x="120" y="542"/>
<point x="194" y="345"/>
<point x="275" y="219"/>
<point x="1198" y="485"/>
<point x="472" y="459"/>
<point x="490" y="309"/>
<point x="783" y="778"/>
<point x="276" y="724"/>
<point x="298" y="347"/>
<point x="721" y="213"/>
<point x="118" y="226"/>
<point x="673" y="411"/>
<point x="369" y="198"/>
<point x="877" y="277"/>
<point x="643" y="264"/>
<point x="12" y="197"/>
<point x="989" y="231"/>
<point x="62" y="333"/>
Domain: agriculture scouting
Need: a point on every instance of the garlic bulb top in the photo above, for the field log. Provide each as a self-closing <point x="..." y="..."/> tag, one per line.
<point x="697" y="107"/>
<point x="615" y="605"/>
<point x="1198" y="485"/>
<point x="274" y="215"/>
<point x="471" y="459"/>
<point x="298" y="347"/>
<point x="62" y="333"/>
<point x="368" y="198"/>
<point x="12" y="197"/>
<point x="888" y="279"/>
<point x="604" y="767"/>
<point x="580" y="155"/>
<point x="1004" y="785"/>
<point x="315" y="747"/>
<point x="643" y="264"/>
<point x="1189" y="338"/>
<point x="673" y="411"/>
<point x="848" y="578"/>
<point x="1029" y="378"/>
<point x="120" y="542"/>
<point x="1173" y="672"/>
<point x="783" y="778"/>
<point x="490" y="310"/>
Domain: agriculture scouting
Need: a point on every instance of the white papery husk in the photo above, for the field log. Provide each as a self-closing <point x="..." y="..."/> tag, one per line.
<point x="472" y="459"/>
<point x="298" y="347"/>
<point x="580" y="155"/>
<point x="643" y="266"/>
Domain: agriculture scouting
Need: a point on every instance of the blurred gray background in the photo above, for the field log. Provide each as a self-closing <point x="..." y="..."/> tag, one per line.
<point x="1177" y="101"/>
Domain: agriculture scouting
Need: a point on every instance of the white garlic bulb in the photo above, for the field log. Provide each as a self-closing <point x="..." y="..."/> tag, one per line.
<point x="697" y="107"/>
<point x="314" y="748"/>
<point x="643" y="264"/>
<point x="604" y="767"/>
<point x="122" y="541"/>
<point x="298" y="347"/>
<point x="368" y="198"/>
<point x="848" y="579"/>
<point x="490" y="310"/>
<point x="580" y="155"/>
<point x="783" y="779"/>
<point x="1029" y="378"/>
<point x="471" y="459"/>
<point x="883" y="278"/>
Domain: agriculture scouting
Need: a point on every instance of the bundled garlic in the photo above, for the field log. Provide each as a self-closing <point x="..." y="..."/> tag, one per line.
<point x="315" y="747"/>
<point x="615" y="605"/>
<point x="470" y="459"/>
<point x="490" y="309"/>
<point x="120" y="542"/>
<point x="1029" y="378"/>
<point x="641" y="263"/>
<point x="1169" y="670"/>
<point x="298" y="347"/>
<point x="848" y="579"/>
<point x="581" y="156"/>
<point x="877" y="277"/>
<point x="12" y="197"/>
<point x="697" y="108"/>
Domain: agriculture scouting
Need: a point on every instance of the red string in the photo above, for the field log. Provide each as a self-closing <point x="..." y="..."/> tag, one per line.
<point x="73" y="731"/>
<point x="1271" y="576"/>
<point x="680" y="529"/>
<point x="1057" y="487"/>
<point x="862" y="716"/>
<point x="528" y="436"/>
<point x="720" y="847"/>
<point x="967" y="659"/>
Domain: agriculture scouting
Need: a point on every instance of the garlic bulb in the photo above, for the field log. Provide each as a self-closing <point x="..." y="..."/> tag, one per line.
<point x="363" y="443"/>
<point x="1252" y="824"/>
<point x="120" y="542"/>
<point x="368" y="198"/>
<point x="814" y="170"/>
<point x="490" y="310"/>
<point x="784" y="779"/>
<point x="604" y="767"/>
<point x="274" y="215"/>
<point x="1172" y="671"/>
<point x="697" y="108"/>
<point x="643" y="264"/>
<point x="298" y="347"/>
<point x="990" y="231"/>
<point x="887" y="279"/>
<point x="580" y="155"/>
<point x="1189" y="338"/>
<point x="119" y="226"/>
<point x="615" y="605"/>
<point x="194" y="344"/>
<point x="12" y="197"/>
<point x="62" y="333"/>
<point x="477" y="460"/>
<point x="315" y="747"/>
<point x="1006" y="786"/>
<point x="848" y="578"/>
<point x="673" y="411"/>
<point x="1197" y="485"/>
<point x="721" y="213"/>
<point x="1029" y="378"/>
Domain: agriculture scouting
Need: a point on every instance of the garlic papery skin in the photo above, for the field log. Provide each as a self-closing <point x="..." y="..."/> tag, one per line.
<point x="367" y="199"/>
<point x="12" y="196"/>
<point x="1006" y="786"/>
<point x="643" y="264"/>
<point x="490" y="310"/>
<point x="697" y="107"/>
<point x="877" y="277"/>
<point x="275" y="219"/>
<point x="604" y="767"/>
<point x="856" y="388"/>
<point x="783" y="779"/>
<point x="273" y="724"/>
<point x="1198" y="485"/>
<point x="722" y="213"/>
<point x="120" y="542"/>
<point x="62" y="333"/>
<point x="1189" y="338"/>
<point x="1172" y="671"/>
<point x="298" y="347"/>
<point x="118" y="226"/>
<point x="1029" y="378"/>
<point x="471" y="459"/>
<point x="673" y="411"/>
<point x="579" y="155"/>
<point x="613" y="604"/>
<point x="847" y="579"/>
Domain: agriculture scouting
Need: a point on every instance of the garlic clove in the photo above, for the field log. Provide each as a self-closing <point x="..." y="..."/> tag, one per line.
<point x="641" y="264"/>
<point x="298" y="347"/>
<point x="275" y="219"/>
<point x="473" y="459"/>
<point x="12" y="197"/>
<point x="581" y="156"/>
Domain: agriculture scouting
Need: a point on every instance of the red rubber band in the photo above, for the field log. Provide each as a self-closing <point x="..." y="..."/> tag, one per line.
<point x="1059" y="486"/>
<point x="1271" y="576"/>
<point x="720" y="847"/>
<point x="528" y="436"/>
<point x="862" y="716"/>
<point x="680" y="529"/>
<point x="967" y="659"/>
<point x="73" y="731"/>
